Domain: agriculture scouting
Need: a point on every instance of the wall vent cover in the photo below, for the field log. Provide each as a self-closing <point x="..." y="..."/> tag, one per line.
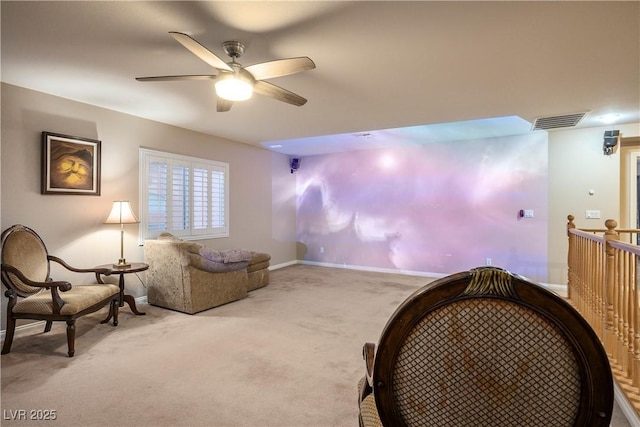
<point x="560" y="121"/>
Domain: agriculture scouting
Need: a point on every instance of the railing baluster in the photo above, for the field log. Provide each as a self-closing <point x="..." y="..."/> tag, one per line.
<point x="617" y="305"/>
<point x="635" y="374"/>
<point x="625" y="326"/>
<point x="634" y="333"/>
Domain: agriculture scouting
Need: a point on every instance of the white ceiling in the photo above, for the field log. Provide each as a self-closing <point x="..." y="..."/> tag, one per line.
<point x="380" y="64"/>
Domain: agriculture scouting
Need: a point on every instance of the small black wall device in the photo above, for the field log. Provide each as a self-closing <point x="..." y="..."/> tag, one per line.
<point x="295" y="165"/>
<point x="611" y="138"/>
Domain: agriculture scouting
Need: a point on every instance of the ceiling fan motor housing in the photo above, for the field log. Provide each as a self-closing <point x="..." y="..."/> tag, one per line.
<point x="233" y="49"/>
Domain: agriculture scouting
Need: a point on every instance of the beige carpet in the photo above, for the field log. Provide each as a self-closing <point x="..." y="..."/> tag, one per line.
<point x="288" y="355"/>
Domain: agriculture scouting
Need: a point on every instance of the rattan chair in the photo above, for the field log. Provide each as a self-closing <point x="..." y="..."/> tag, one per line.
<point x="34" y="295"/>
<point x="486" y="348"/>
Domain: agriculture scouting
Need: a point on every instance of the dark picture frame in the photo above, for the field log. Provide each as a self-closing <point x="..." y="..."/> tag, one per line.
<point x="70" y="165"/>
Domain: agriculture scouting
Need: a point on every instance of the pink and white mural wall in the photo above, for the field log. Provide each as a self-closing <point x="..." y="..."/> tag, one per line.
<point x="436" y="208"/>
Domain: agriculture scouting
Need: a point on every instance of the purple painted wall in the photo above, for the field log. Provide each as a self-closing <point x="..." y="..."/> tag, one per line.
<point x="432" y="208"/>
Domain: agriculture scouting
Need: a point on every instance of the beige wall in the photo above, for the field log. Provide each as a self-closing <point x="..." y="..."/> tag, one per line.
<point x="577" y="165"/>
<point x="262" y="189"/>
<point x="262" y="196"/>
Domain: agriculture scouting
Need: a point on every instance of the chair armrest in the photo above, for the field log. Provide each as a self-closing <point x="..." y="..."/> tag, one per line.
<point x="103" y="271"/>
<point x="369" y="354"/>
<point x="53" y="286"/>
<point x="63" y="285"/>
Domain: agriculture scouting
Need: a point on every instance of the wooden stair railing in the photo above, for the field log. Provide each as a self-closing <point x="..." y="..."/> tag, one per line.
<point x="603" y="286"/>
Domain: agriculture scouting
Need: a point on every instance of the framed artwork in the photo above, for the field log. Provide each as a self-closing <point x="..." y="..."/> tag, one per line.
<point x="70" y="165"/>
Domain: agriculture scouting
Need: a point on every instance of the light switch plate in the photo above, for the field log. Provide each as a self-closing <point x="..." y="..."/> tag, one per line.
<point x="592" y="214"/>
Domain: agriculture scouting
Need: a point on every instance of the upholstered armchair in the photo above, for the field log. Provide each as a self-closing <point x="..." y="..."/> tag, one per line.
<point x="486" y="348"/>
<point x="33" y="294"/>
<point x="189" y="277"/>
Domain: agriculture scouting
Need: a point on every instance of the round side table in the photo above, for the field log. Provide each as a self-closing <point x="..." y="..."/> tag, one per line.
<point x="134" y="267"/>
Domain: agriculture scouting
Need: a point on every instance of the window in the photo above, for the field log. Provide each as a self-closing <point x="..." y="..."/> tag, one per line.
<point x="185" y="196"/>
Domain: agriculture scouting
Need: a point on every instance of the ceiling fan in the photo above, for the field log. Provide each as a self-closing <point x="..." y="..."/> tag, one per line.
<point x="235" y="82"/>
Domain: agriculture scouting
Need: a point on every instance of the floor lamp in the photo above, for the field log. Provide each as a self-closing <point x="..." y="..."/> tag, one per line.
<point x="122" y="214"/>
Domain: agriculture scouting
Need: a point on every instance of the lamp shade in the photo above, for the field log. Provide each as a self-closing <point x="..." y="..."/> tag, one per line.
<point x="121" y="213"/>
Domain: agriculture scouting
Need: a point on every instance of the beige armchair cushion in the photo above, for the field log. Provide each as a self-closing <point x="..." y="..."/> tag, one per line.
<point x="369" y="412"/>
<point x="28" y="255"/>
<point x="257" y="266"/>
<point x="77" y="299"/>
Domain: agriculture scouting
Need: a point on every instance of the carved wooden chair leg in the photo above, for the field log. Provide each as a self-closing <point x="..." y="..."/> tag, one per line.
<point x="8" y="337"/>
<point x="71" y="336"/>
<point x="47" y="327"/>
<point x="113" y="312"/>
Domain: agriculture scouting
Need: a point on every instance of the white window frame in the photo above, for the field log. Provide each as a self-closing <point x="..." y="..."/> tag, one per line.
<point x="218" y="197"/>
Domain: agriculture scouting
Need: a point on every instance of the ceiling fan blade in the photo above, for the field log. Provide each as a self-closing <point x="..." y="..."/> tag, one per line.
<point x="276" y="92"/>
<point x="223" y="105"/>
<point x="175" y="78"/>
<point x="280" y="67"/>
<point x="200" y="51"/>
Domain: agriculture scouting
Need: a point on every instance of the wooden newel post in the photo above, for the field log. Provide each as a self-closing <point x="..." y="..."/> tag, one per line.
<point x="610" y="281"/>
<point x="570" y="252"/>
<point x="570" y="224"/>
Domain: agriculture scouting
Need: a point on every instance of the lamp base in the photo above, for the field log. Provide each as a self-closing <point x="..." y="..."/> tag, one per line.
<point x="122" y="263"/>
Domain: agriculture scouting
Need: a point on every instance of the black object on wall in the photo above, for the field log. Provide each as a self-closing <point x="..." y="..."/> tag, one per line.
<point x="295" y="164"/>
<point x="611" y="138"/>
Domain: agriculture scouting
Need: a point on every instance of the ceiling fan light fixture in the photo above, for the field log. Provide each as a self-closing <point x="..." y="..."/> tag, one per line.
<point x="234" y="88"/>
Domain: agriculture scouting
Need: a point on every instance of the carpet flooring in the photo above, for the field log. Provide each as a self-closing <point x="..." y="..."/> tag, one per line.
<point x="287" y="355"/>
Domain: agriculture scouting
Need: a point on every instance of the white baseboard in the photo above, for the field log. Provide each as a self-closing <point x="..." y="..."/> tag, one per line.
<point x="24" y="328"/>
<point x="627" y="409"/>
<point x="283" y="265"/>
<point x="375" y="269"/>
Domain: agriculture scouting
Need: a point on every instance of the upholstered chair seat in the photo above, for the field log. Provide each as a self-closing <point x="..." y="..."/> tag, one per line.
<point x="76" y="300"/>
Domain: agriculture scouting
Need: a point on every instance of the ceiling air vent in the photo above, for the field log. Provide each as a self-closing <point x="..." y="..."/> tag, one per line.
<point x="555" y="122"/>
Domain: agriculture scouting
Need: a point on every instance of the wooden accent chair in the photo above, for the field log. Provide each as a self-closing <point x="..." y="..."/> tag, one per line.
<point x="34" y="295"/>
<point x="486" y="348"/>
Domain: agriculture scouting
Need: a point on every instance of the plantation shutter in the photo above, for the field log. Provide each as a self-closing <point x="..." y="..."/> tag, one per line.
<point x="184" y="196"/>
